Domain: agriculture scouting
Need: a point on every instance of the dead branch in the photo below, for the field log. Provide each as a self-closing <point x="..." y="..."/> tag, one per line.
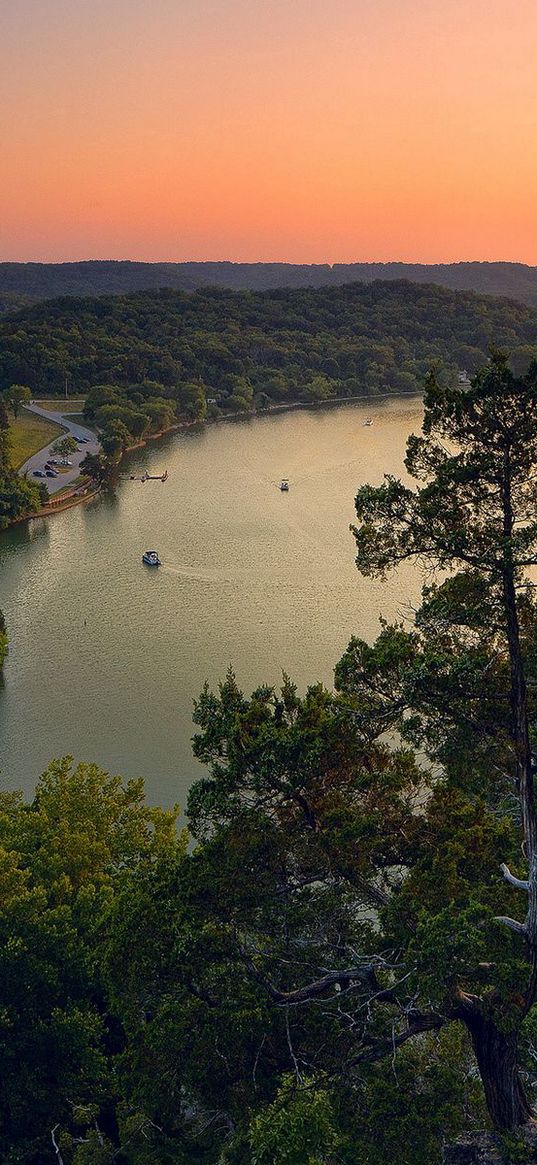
<point x="519" y="883"/>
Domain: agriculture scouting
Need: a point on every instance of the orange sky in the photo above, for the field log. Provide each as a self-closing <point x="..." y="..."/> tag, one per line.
<point x="298" y="130"/>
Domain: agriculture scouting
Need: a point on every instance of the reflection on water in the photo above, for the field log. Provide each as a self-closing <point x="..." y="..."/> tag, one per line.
<point x="106" y="656"/>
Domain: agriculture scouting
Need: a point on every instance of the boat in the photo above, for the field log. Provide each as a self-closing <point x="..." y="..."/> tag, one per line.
<point x="151" y="558"/>
<point x="156" y="476"/>
<point x="284" y="485"/>
<point x="368" y="422"/>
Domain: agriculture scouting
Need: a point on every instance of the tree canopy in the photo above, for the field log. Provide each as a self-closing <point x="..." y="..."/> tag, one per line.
<point x="242" y="349"/>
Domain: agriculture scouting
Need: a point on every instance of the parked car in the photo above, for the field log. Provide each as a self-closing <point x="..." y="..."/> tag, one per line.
<point x="39" y="473"/>
<point x="51" y="473"/>
<point x="82" y="440"/>
<point x="52" y="461"/>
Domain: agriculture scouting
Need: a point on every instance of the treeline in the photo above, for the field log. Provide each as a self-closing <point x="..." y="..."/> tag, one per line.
<point x="123" y="416"/>
<point x="106" y="277"/>
<point x="247" y="350"/>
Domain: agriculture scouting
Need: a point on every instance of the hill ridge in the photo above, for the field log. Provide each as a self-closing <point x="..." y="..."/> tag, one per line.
<point x="121" y="276"/>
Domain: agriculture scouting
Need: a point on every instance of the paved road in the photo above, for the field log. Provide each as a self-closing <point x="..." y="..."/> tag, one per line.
<point x="70" y="423"/>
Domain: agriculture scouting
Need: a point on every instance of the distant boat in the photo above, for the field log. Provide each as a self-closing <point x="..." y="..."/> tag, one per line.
<point x="151" y="558"/>
<point x="368" y="422"/>
<point x="284" y="485"/>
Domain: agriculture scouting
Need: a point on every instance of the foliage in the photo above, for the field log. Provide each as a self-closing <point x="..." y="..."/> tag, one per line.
<point x="242" y="349"/>
<point x="298" y="1128"/>
<point x="64" y="446"/>
<point x="17" y="395"/>
<point x="60" y="858"/>
<point x="101" y="469"/>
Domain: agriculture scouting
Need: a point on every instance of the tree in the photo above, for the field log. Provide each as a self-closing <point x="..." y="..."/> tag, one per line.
<point x="285" y="952"/>
<point x="191" y="401"/>
<point x="476" y="511"/>
<point x="17" y="395"/>
<point x="161" y="413"/>
<point x="115" y="438"/>
<point x="101" y="469"/>
<point x="62" y="859"/>
<point x="64" y="447"/>
<point x="18" y="496"/>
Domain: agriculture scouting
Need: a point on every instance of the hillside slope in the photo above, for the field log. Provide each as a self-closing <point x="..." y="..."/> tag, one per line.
<point x="95" y="277"/>
<point x="251" y="348"/>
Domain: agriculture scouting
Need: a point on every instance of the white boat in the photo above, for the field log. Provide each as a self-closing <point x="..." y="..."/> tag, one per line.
<point x="151" y="558"/>
<point x="284" y="485"/>
<point x="368" y="422"/>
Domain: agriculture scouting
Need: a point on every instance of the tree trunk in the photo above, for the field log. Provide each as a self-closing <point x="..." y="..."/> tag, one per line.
<point x="496" y="1052"/>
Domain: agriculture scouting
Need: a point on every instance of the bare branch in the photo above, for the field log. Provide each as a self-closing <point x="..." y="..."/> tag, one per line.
<point x="56" y="1146"/>
<point x="519" y="883"/>
<point x="518" y="927"/>
<point x="298" y="1073"/>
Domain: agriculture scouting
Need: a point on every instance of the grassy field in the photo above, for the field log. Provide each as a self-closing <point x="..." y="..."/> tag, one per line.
<point x="61" y="405"/>
<point x="28" y="434"/>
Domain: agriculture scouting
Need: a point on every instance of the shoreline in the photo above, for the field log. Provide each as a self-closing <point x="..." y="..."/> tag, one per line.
<point x="270" y="409"/>
<point x="183" y="425"/>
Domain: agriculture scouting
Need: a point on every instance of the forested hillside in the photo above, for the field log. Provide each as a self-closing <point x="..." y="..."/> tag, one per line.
<point x="11" y="302"/>
<point x="102" y="277"/>
<point x="251" y="349"/>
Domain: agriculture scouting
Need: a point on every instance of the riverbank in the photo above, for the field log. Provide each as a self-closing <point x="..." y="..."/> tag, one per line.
<point x="271" y="410"/>
<point x="78" y="498"/>
<point x="57" y="505"/>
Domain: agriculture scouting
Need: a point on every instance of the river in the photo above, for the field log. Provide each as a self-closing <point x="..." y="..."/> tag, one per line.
<point x="107" y="655"/>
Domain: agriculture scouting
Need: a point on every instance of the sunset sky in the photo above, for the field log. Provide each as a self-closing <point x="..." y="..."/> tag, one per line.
<point x="298" y="130"/>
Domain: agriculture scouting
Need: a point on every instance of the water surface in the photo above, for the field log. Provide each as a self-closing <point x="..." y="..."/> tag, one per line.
<point x="107" y="655"/>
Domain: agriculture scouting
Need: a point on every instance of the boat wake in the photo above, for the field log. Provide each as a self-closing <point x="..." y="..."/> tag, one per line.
<point x="197" y="576"/>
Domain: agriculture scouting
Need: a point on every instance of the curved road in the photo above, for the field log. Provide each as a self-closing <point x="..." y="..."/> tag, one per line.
<point x="37" y="460"/>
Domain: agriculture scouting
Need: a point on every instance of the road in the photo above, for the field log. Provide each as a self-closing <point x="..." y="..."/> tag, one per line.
<point x="37" y="460"/>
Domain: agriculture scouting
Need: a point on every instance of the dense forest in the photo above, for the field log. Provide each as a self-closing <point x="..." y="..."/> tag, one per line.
<point x="337" y="965"/>
<point x="252" y="349"/>
<point x="108" y="277"/>
<point x="10" y="302"/>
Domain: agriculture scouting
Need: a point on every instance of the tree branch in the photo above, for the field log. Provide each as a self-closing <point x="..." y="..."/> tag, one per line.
<point x="56" y="1146"/>
<point x="418" y="1023"/>
<point x="519" y="883"/>
<point x="518" y="927"/>
<point x="363" y="975"/>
